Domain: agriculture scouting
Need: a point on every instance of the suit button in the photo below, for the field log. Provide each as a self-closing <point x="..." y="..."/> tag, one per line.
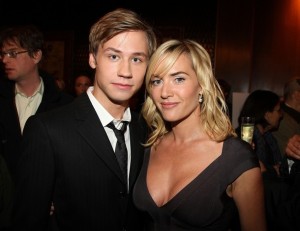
<point x="123" y="193"/>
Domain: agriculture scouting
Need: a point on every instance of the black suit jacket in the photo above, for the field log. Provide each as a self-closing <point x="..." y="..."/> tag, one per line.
<point x="68" y="158"/>
<point x="10" y="130"/>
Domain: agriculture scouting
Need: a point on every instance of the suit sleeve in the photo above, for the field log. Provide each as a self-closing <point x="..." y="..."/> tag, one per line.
<point x="35" y="178"/>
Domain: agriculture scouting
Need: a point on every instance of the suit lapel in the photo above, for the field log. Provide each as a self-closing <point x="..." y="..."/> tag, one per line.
<point x="137" y="135"/>
<point x="91" y="129"/>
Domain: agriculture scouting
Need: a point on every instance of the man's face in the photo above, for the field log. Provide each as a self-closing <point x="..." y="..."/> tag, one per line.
<point x="17" y="63"/>
<point x="120" y="66"/>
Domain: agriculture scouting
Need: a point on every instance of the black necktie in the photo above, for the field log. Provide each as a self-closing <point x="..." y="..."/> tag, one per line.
<point x="121" y="150"/>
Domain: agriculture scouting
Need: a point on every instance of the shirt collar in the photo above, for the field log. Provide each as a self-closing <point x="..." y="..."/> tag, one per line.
<point x="106" y="117"/>
<point x="39" y="90"/>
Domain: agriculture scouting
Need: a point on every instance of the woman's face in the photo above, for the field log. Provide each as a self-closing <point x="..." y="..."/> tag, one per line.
<point x="176" y="94"/>
<point x="273" y="117"/>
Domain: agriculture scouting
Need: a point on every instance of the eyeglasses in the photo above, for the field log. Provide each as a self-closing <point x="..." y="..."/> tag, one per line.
<point x="11" y="54"/>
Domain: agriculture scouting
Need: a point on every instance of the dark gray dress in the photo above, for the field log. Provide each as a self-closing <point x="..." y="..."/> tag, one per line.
<point x="203" y="204"/>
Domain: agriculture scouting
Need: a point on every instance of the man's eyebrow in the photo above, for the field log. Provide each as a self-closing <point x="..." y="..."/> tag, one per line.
<point x="112" y="49"/>
<point x="118" y="51"/>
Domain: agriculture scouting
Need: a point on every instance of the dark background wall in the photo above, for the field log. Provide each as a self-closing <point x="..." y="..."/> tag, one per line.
<point x="253" y="44"/>
<point x="70" y="21"/>
<point x="258" y="43"/>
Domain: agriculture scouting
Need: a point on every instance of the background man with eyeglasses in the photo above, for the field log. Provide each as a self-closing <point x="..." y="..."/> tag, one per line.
<point x="24" y="90"/>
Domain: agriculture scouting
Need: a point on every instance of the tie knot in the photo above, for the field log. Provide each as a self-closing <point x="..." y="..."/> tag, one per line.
<point x="119" y="131"/>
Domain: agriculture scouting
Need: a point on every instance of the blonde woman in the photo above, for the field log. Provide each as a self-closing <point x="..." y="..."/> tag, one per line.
<point x="196" y="173"/>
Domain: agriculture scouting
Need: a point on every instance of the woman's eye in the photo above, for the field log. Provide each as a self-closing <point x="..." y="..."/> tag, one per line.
<point x="179" y="80"/>
<point x="156" y="82"/>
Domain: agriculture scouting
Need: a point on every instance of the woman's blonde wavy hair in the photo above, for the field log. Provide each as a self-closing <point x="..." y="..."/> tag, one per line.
<point x="214" y="111"/>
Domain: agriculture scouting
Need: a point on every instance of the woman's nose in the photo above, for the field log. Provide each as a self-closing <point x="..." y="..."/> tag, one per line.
<point x="166" y="90"/>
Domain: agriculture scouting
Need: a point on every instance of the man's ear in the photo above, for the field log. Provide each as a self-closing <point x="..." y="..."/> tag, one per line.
<point x="37" y="56"/>
<point x="267" y="115"/>
<point x="92" y="61"/>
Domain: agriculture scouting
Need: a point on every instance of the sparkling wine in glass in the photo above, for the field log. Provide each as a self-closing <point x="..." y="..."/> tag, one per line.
<point x="247" y="128"/>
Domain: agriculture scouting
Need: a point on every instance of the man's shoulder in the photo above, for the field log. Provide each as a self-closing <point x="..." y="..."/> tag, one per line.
<point x="52" y="94"/>
<point x="57" y="112"/>
<point x="66" y="97"/>
<point x="290" y="112"/>
<point x="288" y="122"/>
<point x="6" y="86"/>
<point x="74" y="107"/>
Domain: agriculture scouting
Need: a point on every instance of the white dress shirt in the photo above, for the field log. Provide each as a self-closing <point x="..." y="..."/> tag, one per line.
<point x="105" y="118"/>
<point x="27" y="106"/>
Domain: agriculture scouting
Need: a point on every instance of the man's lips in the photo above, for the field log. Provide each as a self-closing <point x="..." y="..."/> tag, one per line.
<point x="7" y="70"/>
<point x="122" y="86"/>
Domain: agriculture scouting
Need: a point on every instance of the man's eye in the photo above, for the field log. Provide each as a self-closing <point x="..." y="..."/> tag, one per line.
<point x="137" y="60"/>
<point x="114" y="57"/>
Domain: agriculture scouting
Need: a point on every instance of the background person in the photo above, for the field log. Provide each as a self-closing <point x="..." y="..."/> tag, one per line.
<point x="264" y="106"/>
<point x="289" y="211"/>
<point x="25" y="90"/>
<point x="81" y="83"/>
<point x="290" y="124"/>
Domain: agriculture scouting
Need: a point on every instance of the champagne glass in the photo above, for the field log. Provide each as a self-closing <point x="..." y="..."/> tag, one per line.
<point x="247" y="128"/>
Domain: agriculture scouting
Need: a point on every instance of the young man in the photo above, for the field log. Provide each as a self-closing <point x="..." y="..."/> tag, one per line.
<point x="72" y="161"/>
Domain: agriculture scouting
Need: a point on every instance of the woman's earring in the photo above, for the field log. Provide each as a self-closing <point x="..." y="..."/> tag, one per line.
<point x="200" y="98"/>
